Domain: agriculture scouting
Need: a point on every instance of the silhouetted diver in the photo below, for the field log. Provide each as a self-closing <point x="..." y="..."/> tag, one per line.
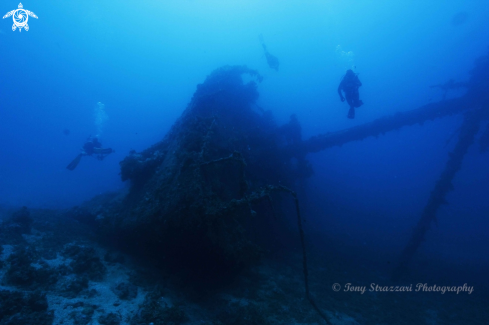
<point x="271" y="59"/>
<point x="92" y="146"/>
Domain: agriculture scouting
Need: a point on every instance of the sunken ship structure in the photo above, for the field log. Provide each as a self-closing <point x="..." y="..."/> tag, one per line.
<point x="202" y="200"/>
<point x="194" y="195"/>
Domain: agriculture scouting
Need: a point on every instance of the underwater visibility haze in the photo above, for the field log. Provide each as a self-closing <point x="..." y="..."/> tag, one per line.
<point x="175" y="162"/>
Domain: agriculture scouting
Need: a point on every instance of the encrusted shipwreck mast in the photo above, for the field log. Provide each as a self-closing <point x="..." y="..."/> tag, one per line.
<point x="468" y="131"/>
<point x="476" y="99"/>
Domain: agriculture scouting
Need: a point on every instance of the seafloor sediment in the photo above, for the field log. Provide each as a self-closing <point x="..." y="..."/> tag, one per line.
<point x="54" y="271"/>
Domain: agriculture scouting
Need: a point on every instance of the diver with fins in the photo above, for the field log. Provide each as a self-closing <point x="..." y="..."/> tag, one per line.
<point x="349" y="85"/>
<point x="91" y="147"/>
<point x="271" y="59"/>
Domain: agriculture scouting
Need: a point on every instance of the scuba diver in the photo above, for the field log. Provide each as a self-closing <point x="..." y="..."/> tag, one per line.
<point x="349" y="85"/>
<point x="271" y="59"/>
<point x="91" y="147"/>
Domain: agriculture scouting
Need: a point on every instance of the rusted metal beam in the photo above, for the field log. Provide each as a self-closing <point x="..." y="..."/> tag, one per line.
<point x="476" y="96"/>
<point x="382" y="125"/>
<point x="468" y="131"/>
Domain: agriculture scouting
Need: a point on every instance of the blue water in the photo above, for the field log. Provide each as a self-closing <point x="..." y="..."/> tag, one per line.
<point x="143" y="60"/>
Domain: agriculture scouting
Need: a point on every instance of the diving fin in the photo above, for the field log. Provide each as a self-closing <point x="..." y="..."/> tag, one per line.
<point x="75" y="162"/>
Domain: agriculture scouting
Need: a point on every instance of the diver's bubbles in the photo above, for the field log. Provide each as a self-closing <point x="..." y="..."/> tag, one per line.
<point x="346" y="59"/>
<point x="100" y="118"/>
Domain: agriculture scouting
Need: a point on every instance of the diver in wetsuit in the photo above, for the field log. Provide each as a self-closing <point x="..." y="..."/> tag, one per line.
<point x="271" y="59"/>
<point x="91" y="147"/>
<point x="349" y="85"/>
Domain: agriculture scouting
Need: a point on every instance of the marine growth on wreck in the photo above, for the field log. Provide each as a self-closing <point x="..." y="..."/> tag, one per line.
<point x="195" y="194"/>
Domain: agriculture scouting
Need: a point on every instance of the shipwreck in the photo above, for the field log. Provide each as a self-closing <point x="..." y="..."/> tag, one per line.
<point x="196" y="196"/>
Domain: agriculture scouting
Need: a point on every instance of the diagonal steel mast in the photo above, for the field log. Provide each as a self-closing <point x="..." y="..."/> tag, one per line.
<point x="468" y="131"/>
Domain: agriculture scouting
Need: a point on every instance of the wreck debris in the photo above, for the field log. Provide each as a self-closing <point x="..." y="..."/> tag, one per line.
<point x="468" y="131"/>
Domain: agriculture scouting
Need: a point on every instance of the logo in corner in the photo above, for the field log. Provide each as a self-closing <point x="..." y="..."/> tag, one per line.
<point x="20" y="17"/>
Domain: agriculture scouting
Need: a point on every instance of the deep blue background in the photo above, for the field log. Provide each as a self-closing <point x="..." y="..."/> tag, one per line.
<point x="143" y="60"/>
